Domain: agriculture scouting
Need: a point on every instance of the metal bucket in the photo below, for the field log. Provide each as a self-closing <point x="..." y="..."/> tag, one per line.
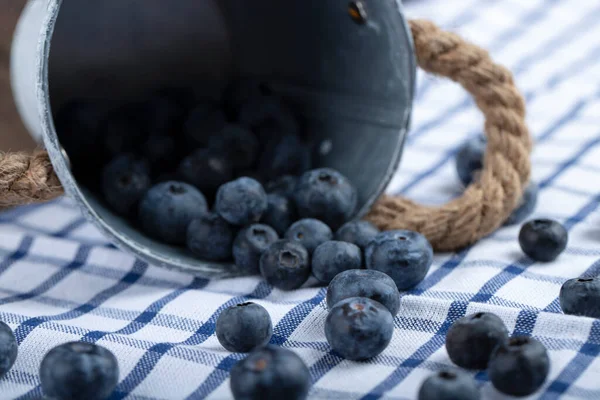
<point x="348" y="69"/>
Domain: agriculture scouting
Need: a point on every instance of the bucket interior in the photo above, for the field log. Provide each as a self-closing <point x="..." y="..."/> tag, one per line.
<point x="345" y="69"/>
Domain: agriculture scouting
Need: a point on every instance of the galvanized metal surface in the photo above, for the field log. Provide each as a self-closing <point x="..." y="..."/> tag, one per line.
<point x="352" y="82"/>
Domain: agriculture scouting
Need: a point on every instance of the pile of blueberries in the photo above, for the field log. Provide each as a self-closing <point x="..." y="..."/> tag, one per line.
<point x="233" y="182"/>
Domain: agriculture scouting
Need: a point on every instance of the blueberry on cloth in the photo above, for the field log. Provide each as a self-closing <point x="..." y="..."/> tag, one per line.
<point x="471" y="340"/>
<point x="403" y="255"/>
<point x="543" y="239"/>
<point x="519" y="366"/>
<point x="361" y="233"/>
<point x="210" y="237"/>
<point x="280" y="213"/>
<point x="285" y="265"/>
<point x="125" y="180"/>
<point x="359" y="328"/>
<point x="309" y="232"/>
<point x="581" y="296"/>
<point x="207" y="170"/>
<point x="243" y="327"/>
<point x="270" y="373"/>
<point x="326" y="195"/>
<point x="238" y="144"/>
<point x="242" y="201"/>
<point x="333" y="257"/>
<point x="203" y="122"/>
<point x="79" y="370"/>
<point x="367" y="283"/>
<point x="449" y="384"/>
<point x="288" y="155"/>
<point x="526" y="206"/>
<point x="8" y="349"/>
<point x="168" y="208"/>
<point x="469" y="158"/>
<point x="283" y="186"/>
<point x="249" y="245"/>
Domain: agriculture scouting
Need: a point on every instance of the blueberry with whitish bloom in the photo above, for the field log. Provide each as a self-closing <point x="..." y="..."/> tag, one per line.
<point x="270" y="373"/>
<point x="242" y="201"/>
<point x="326" y="195"/>
<point x="359" y="328"/>
<point x="405" y="256"/>
<point x="167" y="209"/>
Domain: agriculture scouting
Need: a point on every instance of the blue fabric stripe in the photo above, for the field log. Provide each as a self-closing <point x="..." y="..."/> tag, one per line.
<point x="281" y="332"/>
<point x="149" y="360"/>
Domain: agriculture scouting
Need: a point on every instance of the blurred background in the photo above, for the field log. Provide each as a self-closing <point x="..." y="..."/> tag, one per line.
<point x="13" y="136"/>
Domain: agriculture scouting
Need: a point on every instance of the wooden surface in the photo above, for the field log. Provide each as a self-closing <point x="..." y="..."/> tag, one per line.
<point x="13" y="136"/>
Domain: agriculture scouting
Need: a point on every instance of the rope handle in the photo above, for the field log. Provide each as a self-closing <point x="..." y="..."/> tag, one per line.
<point x="483" y="207"/>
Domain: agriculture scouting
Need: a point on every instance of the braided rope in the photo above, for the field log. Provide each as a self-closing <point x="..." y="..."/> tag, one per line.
<point x="486" y="203"/>
<point x="27" y="178"/>
<point x="483" y="207"/>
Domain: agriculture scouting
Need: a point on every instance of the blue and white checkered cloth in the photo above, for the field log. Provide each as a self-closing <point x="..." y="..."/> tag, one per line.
<point x="60" y="280"/>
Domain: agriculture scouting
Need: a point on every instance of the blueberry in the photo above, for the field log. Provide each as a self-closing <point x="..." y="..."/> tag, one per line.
<point x="404" y="255"/>
<point x="8" y="349"/>
<point x="359" y="328"/>
<point x="310" y="233"/>
<point x="449" y="384"/>
<point x="244" y="327"/>
<point x="205" y="169"/>
<point x="358" y="232"/>
<point x="368" y="283"/>
<point x="242" y="201"/>
<point x="249" y="244"/>
<point x="122" y="132"/>
<point x="270" y="115"/>
<point x="287" y="156"/>
<point x="203" y="122"/>
<point x="285" y="265"/>
<point x="526" y="206"/>
<point x="244" y="91"/>
<point x="581" y="297"/>
<point x="333" y="257"/>
<point x="519" y="366"/>
<point x="270" y="373"/>
<point x="238" y="144"/>
<point x="280" y="213"/>
<point x="210" y="237"/>
<point x="543" y="239"/>
<point x="283" y="186"/>
<point x="168" y="208"/>
<point x="79" y="370"/>
<point x="469" y="158"/>
<point x="326" y="195"/>
<point x="125" y="180"/>
<point x="161" y="152"/>
<point x="471" y="340"/>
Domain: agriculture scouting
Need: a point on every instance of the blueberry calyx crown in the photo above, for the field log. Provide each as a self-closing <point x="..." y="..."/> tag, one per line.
<point x="447" y="375"/>
<point x="288" y="259"/>
<point x="176" y="189"/>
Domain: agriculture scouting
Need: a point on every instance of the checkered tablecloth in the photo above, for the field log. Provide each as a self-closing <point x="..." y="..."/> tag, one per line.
<point x="60" y="280"/>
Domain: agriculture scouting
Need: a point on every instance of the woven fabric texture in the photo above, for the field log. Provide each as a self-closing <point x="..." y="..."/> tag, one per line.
<point x="60" y="280"/>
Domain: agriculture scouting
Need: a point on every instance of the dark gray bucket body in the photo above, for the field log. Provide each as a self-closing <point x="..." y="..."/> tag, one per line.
<point x="352" y="82"/>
